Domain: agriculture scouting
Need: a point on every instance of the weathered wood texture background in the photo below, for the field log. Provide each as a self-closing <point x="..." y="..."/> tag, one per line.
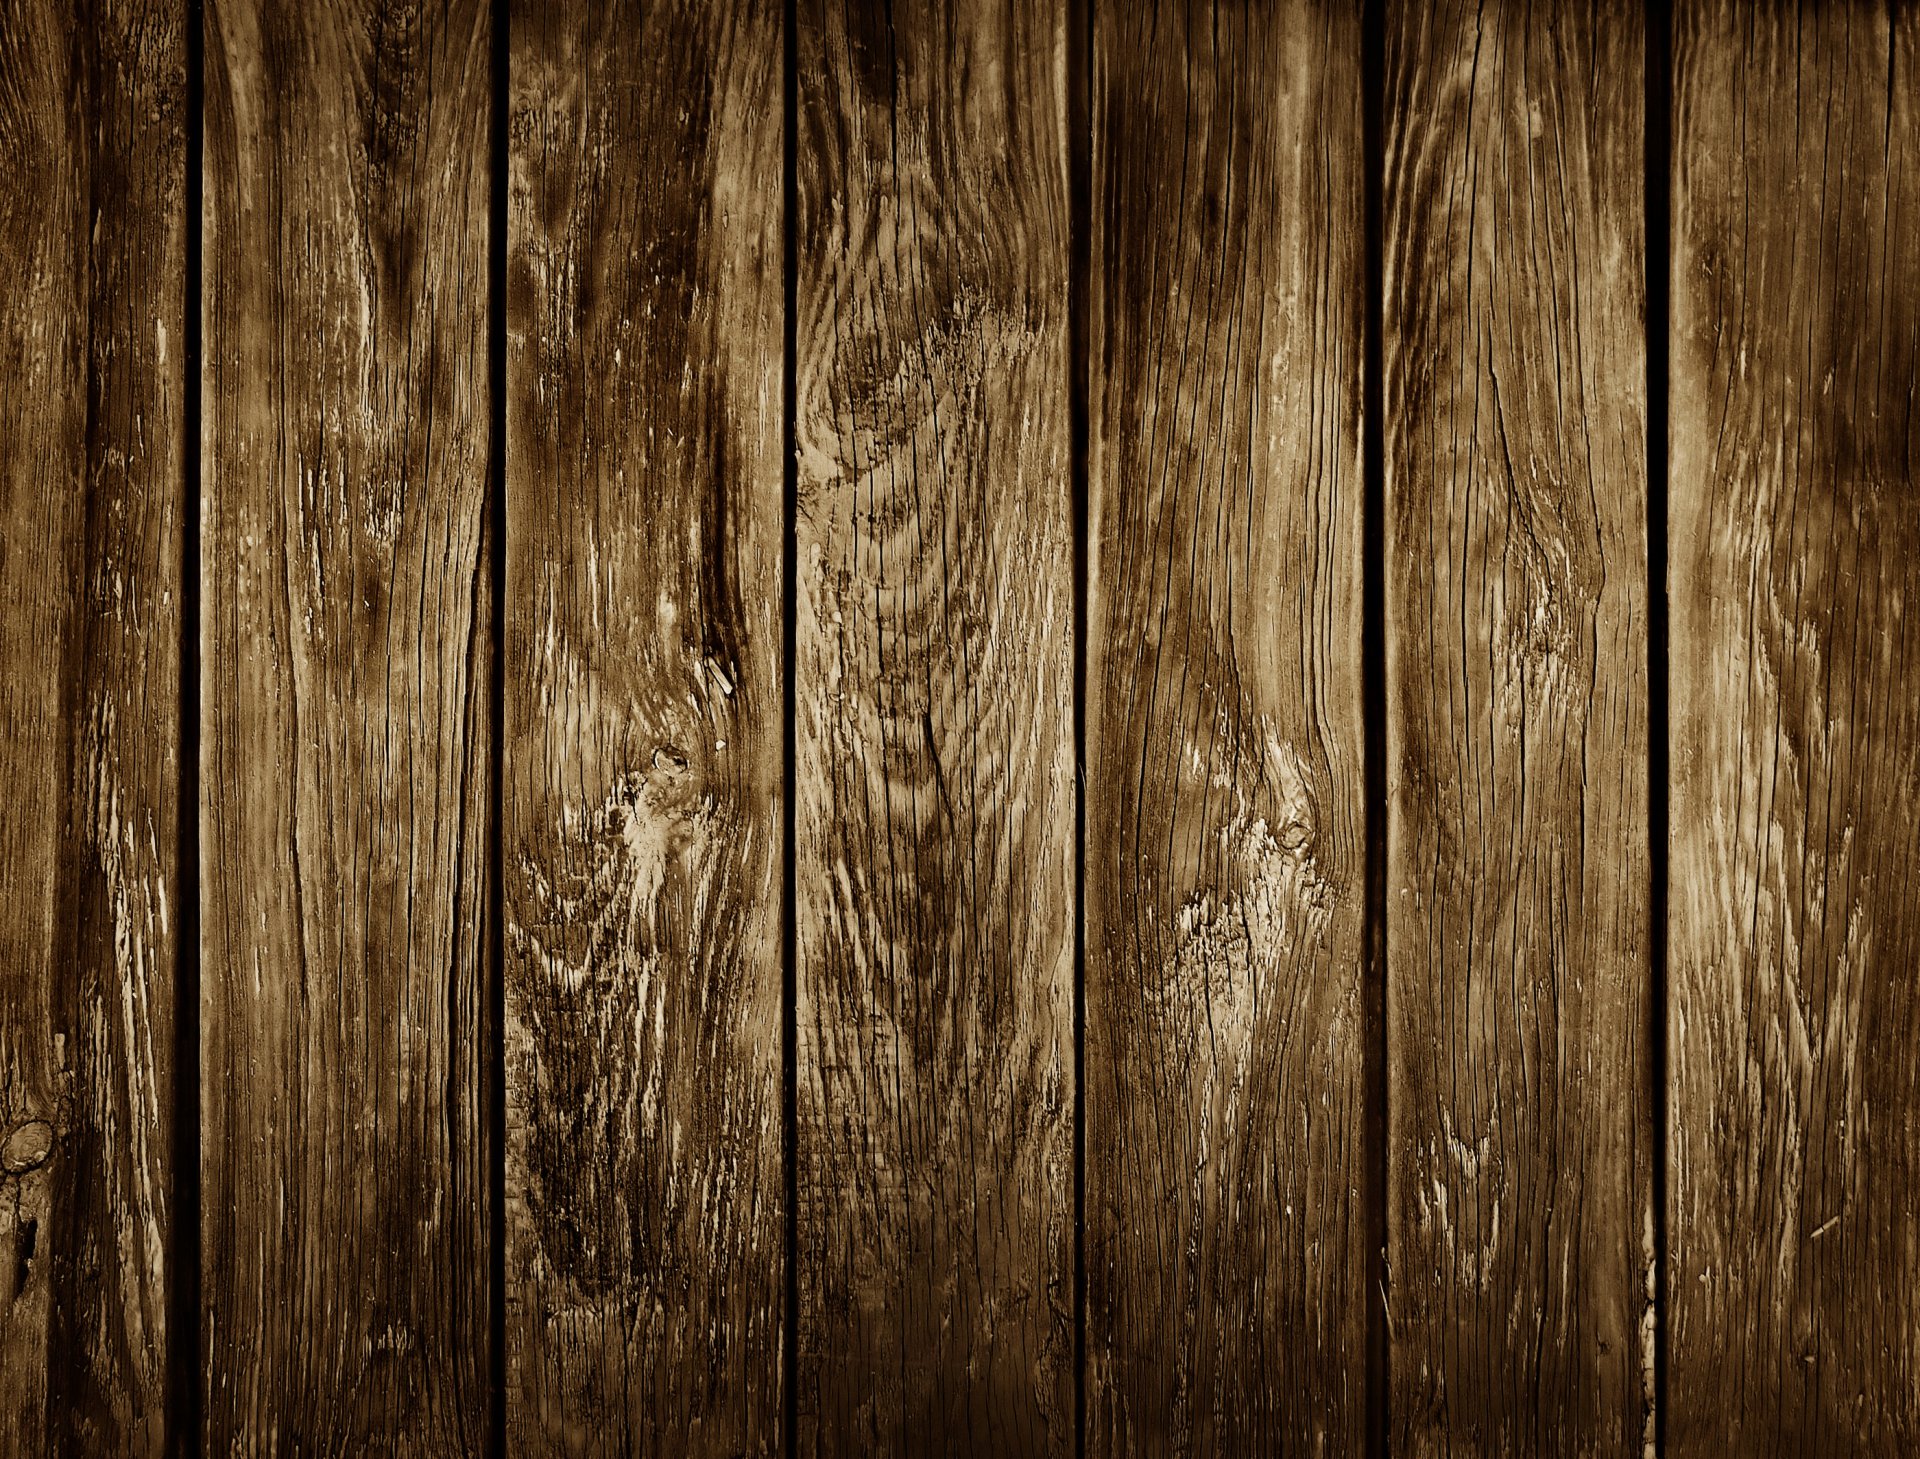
<point x="345" y="635"/>
<point x="1519" y="928"/>
<point x="1226" y="844"/>
<point x="645" y="1236"/>
<point x="1003" y="727"/>
<point x="934" y="787"/>
<point x="1794" y="1015"/>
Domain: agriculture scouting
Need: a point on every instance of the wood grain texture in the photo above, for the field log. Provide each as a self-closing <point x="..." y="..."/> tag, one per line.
<point x="345" y="642"/>
<point x="1519" y="916"/>
<point x="1795" y="1144"/>
<point x="92" y="182"/>
<point x="1226" y="841"/>
<point x="644" y="768"/>
<point x="934" y="790"/>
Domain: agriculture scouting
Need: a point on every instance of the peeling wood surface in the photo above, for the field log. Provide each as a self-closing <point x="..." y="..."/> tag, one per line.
<point x="643" y="772"/>
<point x="934" y="786"/>
<point x="92" y="186"/>
<point x="1521" y="1149"/>
<point x="1795" y="552"/>
<point x="345" y="736"/>
<point x="1226" y="843"/>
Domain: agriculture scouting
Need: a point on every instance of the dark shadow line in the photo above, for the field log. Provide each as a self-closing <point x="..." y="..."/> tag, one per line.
<point x="789" y="635"/>
<point x="1657" y="132"/>
<point x="1079" y="255"/>
<point x="184" y="1416"/>
<point x="1375" y="1072"/>
<point x="495" y="922"/>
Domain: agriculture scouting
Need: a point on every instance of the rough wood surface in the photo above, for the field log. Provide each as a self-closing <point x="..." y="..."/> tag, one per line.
<point x="643" y="779"/>
<point x="934" y="790"/>
<point x="1225" y="830"/>
<point x="345" y="745"/>
<point x="92" y="182"/>
<point x="1522" y="1144"/>
<point x="1795" y="930"/>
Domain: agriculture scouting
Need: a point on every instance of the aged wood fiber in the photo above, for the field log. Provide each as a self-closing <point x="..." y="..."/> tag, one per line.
<point x="1795" y="1142"/>
<point x="934" y="789"/>
<point x="643" y="778"/>
<point x="943" y="287"/>
<point x="1522" y="1141"/>
<point x="345" y="727"/>
<point x="1225" y="840"/>
<point x="92" y="180"/>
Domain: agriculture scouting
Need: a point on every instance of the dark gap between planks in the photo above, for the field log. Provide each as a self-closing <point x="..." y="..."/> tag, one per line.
<point x="1657" y="131"/>
<point x="1079" y="264"/>
<point x="1373" y="716"/>
<point x="789" y="639"/>
<point x="494" y="922"/>
<point x="183" y="1237"/>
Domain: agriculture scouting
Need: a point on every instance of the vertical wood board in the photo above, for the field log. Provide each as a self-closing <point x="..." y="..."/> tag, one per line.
<point x="346" y="644"/>
<point x="1795" y="558"/>
<point x="1521" y="1237"/>
<point x="934" y="790"/>
<point x="92" y="182"/>
<point x="1225" y="1228"/>
<point x="644" y="774"/>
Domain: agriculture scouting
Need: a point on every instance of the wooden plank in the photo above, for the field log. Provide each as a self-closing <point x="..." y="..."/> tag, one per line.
<point x="92" y="185"/>
<point x="346" y="736"/>
<point x="1226" y="1261"/>
<point x="644" y="774"/>
<point x="1521" y="1141"/>
<point x="1795" y="1156"/>
<point x="933" y="677"/>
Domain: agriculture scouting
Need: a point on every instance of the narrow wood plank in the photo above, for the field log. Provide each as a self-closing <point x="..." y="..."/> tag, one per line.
<point x="1795" y="551"/>
<point x="92" y="184"/>
<point x="934" y="790"/>
<point x="1226" y="1261"/>
<point x="1521" y="1142"/>
<point x="644" y="775"/>
<point x="345" y="727"/>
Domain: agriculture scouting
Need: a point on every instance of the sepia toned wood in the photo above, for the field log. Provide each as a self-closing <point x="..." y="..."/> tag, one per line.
<point x="346" y="736"/>
<point x="1795" y="1138"/>
<point x="92" y="337"/>
<point x="644" y="772"/>
<point x="1521" y="1238"/>
<point x="934" y="788"/>
<point x="91" y="187"/>
<point x="1225" y="1231"/>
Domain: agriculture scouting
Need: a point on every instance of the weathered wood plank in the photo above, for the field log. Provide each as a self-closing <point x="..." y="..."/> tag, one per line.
<point x="644" y="772"/>
<point x="1795" y="931"/>
<point x="345" y="642"/>
<point x="1225" y="1236"/>
<point x="1519" y="910"/>
<point x="934" y="790"/>
<point x="43" y="218"/>
<point x="92" y="185"/>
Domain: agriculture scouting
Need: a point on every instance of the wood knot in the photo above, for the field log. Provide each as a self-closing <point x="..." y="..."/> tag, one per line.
<point x="27" y="1147"/>
<point x="1296" y="838"/>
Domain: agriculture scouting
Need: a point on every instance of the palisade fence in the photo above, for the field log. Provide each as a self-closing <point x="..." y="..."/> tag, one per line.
<point x="999" y="727"/>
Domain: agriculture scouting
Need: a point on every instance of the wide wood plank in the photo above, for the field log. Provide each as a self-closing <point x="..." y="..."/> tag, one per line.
<point x="92" y="186"/>
<point x="345" y="646"/>
<point x="1519" y="916"/>
<point x="1225" y="1233"/>
<point x="643" y="774"/>
<point x="934" y="792"/>
<point x="1795" y="930"/>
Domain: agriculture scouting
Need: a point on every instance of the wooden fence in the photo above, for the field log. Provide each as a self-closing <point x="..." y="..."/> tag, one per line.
<point x="1009" y="727"/>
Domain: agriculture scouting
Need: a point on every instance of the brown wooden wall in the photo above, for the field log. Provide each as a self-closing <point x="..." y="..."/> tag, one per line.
<point x="959" y="727"/>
